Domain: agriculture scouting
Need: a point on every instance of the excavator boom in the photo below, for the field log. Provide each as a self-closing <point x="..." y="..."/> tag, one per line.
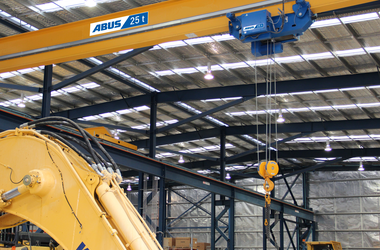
<point x="77" y="200"/>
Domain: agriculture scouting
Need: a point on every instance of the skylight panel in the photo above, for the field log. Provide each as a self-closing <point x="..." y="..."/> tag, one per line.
<point x="318" y="56"/>
<point x="55" y="93"/>
<point x="289" y="59"/>
<point x="4" y="104"/>
<point x="224" y="37"/>
<point x="325" y="23"/>
<point x="108" y="114"/>
<point x="49" y="7"/>
<point x="6" y="75"/>
<point x="141" y="108"/>
<point x="298" y="109"/>
<point x="213" y="68"/>
<point x="263" y="62"/>
<point x="350" y="106"/>
<point x="375" y="49"/>
<point x="25" y="71"/>
<point x="89" y="118"/>
<point x="350" y="52"/>
<point x="35" y="97"/>
<point x="173" y="44"/>
<point x="325" y="91"/>
<point x="90" y="85"/>
<point x="71" y="89"/>
<point x="321" y="108"/>
<point x="124" y="51"/>
<point x="185" y="71"/>
<point x="302" y="93"/>
<point x="164" y="73"/>
<point x="199" y="40"/>
<point x="368" y="105"/>
<point x="124" y="111"/>
<point x="353" y="88"/>
<point x="234" y="65"/>
<point x="360" y="18"/>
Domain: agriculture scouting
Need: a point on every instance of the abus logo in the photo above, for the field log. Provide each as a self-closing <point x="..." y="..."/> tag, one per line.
<point x="252" y="27"/>
<point x="118" y="23"/>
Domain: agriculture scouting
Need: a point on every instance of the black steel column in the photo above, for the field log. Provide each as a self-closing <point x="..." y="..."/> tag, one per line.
<point x="162" y="212"/>
<point x="46" y="92"/>
<point x="281" y="231"/>
<point x="140" y="200"/>
<point x="153" y="125"/>
<point x="213" y="221"/>
<point x="223" y="153"/>
<point x="231" y="225"/>
<point x="305" y="185"/>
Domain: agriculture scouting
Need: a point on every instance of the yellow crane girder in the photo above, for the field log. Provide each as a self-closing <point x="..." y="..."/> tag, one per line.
<point x="167" y="21"/>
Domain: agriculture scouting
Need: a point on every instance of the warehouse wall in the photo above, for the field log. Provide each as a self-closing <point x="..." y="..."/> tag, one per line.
<point x="347" y="207"/>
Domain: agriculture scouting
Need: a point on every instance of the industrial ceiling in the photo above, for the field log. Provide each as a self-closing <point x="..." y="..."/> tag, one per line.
<point x="326" y="85"/>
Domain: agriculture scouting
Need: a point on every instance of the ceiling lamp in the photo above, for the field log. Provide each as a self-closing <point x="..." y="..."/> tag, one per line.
<point x="328" y="148"/>
<point x="181" y="160"/>
<point x="90" y="3"/>
<point x="129" y="187"/>
<point x="361" y="168"/>
<point x="22" y="103"/>
<point x="280" y="118"/>
<point x="208" y="75"/>
<point x="228" y="176"/>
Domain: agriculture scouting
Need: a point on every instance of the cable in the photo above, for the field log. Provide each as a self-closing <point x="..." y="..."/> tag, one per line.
<point x="67" y="143"/>
<point x="70" y="123"/>
<point x="10" y="176"/>
<point x="63" y="185"/>
<point x="83" y="132"/>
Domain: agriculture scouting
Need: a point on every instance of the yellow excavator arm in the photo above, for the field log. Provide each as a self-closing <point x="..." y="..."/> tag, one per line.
<point x="74" y="198"/>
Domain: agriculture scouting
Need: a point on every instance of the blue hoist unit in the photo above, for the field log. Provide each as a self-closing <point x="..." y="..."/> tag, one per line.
<point x="267" y="34"/>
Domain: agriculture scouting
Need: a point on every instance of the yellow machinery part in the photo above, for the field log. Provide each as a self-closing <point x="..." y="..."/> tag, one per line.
<point x="334" y="244"/>
<point x="104" y="134"/>
<point x="61" y="198"/>
<point x="174" y="10"/>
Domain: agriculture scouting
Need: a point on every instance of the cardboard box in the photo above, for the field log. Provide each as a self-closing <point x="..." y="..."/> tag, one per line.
<point x="202" y="245"/>
<point x="185" y="242"/>
<point x="169" y="242"/>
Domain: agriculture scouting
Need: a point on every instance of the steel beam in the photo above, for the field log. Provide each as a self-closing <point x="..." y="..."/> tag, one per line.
<point x="100" y="67"/>
<point x="325" y="83"/>
<point x="306" y="127"/>
<point x="189" y="155"/>
<point x="20" y="87"/>
<point x="203" y="114"/>
<point x="267" y="146"/>
<point x="343" y="153"/>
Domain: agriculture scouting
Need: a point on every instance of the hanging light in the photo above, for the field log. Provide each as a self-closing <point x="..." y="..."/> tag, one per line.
<point x="208" y="75"/>
<point x="22" y="103"/>
<point x="181" y="160"/>
<point x="328" y="148"/>
<point x="228" y="176"/>
<point x="280" y="118"/>
<point x="361" y="168"/>
<point x="90" y="3"/>
<point x="129" y="187"/>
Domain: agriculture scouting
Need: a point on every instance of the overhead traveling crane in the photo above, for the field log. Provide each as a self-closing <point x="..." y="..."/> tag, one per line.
<point x="152" y="24"/>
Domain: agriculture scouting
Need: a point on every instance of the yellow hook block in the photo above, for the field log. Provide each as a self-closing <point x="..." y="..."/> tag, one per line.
<point x="268" y="170"/>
